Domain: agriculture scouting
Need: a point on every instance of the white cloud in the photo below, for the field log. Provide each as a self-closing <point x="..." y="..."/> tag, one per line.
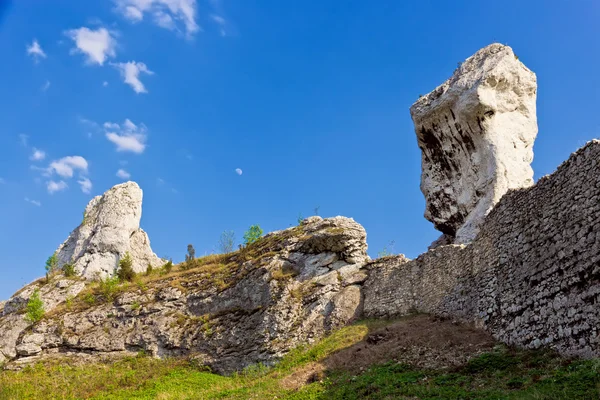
<point x="123" y="174"/>
<point x="54" y="187"/>
<point x="130" y="71"/>
<point x="105" y="84"/>
<point x="23" y="138"/>
<point x="221" y="22"/>
<point x="37" y="155"/>
<point x="85" y="184"/>
<point x="166" y="13"/>
<point x="127" y="137"/>
<point x="67" y="165"/>
<point x="46" y="86"/>
<point x="98" y="45"/>
<point x="160" y="181"/>
<point x="34" y="202"/>
<point x="238" y="171"/>
<point x="35" y="51"/>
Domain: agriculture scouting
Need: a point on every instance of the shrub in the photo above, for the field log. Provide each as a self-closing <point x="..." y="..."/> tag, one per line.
<point x="252" y="234"/>
<point x="108" y="287"/>
<point x="387" y="250"/>
<point x="35" y="307"/>
<point x="168" y="266"/>
<point x="149" y="269"/>
<point x="300" y="219"/>
<point x="227" y="241"/>
<point x="125" y="271"/>
<point x="191" y="253"/>
<point x="69" y="270"/>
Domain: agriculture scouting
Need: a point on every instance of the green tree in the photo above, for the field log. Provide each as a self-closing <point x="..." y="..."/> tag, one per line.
<point x="252" y="234"/>
<point x="125" y="271"/>
<point x="51" y="264"/>
<point x="35" y="307"/>
<point x="227" y="241"/>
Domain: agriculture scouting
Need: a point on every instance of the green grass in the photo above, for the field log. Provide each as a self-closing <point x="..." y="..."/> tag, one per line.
<point x="502" y="374"/>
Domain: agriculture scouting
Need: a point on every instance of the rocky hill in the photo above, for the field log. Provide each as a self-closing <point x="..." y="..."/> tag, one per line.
<point x="518" y="260"/>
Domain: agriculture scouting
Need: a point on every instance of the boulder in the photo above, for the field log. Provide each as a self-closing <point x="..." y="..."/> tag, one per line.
<point x="476" y="134"/>
<point x="110" y="228"/>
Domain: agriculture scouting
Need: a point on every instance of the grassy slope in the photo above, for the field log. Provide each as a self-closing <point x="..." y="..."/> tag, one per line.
<point x="502" y="374"/>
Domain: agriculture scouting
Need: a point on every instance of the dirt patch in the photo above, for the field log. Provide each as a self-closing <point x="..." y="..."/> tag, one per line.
<point x="422" y="341"/>
<point x="308" y="374"/>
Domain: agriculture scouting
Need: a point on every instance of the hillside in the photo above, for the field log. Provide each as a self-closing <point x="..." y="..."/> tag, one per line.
<point x="415" y="357"/>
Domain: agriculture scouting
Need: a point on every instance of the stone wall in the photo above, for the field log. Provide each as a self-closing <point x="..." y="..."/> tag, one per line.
<point x="532" y="275"/>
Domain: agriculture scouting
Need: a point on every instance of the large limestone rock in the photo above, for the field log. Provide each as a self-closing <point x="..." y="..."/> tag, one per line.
<point x="110" y="229"/>
<point x="476" y="134"/>
<point x="230" y="311"/>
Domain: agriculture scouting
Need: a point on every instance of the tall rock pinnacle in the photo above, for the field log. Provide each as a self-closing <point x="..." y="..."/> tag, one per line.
<point x="476" y="134"/>
<point x="110" y="229"/>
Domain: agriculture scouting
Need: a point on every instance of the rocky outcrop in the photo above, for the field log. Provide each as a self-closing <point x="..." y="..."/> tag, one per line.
<point x="476" y="134"/>
<point x="110" y="229"/>
<point x="227" y="311"/>
<point x="12" y="316"/>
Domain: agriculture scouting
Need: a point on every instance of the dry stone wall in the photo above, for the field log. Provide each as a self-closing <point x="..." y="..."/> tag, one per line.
<point x="532" y="275"/>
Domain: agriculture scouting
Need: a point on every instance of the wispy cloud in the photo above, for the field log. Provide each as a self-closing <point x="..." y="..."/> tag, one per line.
<point x="66" y="166"/>
<point x="23" y="139"/>
<point x="128" y="136"/>
<point x="121" y="173"/>
<point x="46" y="86"/>
<point x="97" y="45"/>
<point x="130" y="71"/>
<point x="37" y="155"/>
<point x="85" y="184"/>
<point x="105" y="83"/>
<point x="167" y="14"/>
<point x="220" y="21"/>
<point x="54" y="187"/>
<point x="35" y="51"/>
<point x="2" y="181"/>
<point x="239" y="171"/>
<point x="34" y="202"/>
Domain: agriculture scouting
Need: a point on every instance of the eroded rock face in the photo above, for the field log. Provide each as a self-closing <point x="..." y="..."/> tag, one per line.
<point x="476" y="134"/>
<point x="290" y="288"/>
<point x="110" y="229"/>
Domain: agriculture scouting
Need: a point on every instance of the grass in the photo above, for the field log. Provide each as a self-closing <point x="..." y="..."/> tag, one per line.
<point x="501" y="374"/>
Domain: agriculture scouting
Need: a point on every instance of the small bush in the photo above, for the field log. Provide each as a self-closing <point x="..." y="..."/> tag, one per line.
<point x="69" y="270"/>
<point x="109" y="287"/>
<point x="149" y="269"/>
<point x="191" y="253"/>
<point x="168" y="266"/>
<point x="300" y="219"/>
<point x="252" y="234"/>
<point x="35" y="307"/>
<point x="89" y="299"/>
<point x="125" y="271"/>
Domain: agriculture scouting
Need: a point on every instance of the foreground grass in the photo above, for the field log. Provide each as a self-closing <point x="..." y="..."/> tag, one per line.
<point x="502" y="374"/>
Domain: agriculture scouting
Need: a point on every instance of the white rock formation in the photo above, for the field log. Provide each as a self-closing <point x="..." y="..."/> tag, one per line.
<point x="476" y="134"/>
<point x="110" y="229"/>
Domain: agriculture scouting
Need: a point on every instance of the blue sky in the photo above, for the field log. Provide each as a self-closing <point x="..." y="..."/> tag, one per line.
<point x="309" y="99"/>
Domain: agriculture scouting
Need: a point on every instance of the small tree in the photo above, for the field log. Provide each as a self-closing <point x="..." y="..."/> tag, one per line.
<point x="125" y="271"/>
<point x="51" y="264"/>
<point x="168" y="266"/>
<point x="227" y="241"/>
<point x="252" y="234"/>
<point x="317" y="210"/>
<point x="35" y="307"/>
<point x="300" y="219"/>
<point x="191" y="253"/>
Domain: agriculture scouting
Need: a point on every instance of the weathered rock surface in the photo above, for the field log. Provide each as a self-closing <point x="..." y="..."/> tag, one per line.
<point x="12" y="317"/>
<point x="476" y="134"/>
<point x="230" y="311"/>
<point x="110" y="229"/>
